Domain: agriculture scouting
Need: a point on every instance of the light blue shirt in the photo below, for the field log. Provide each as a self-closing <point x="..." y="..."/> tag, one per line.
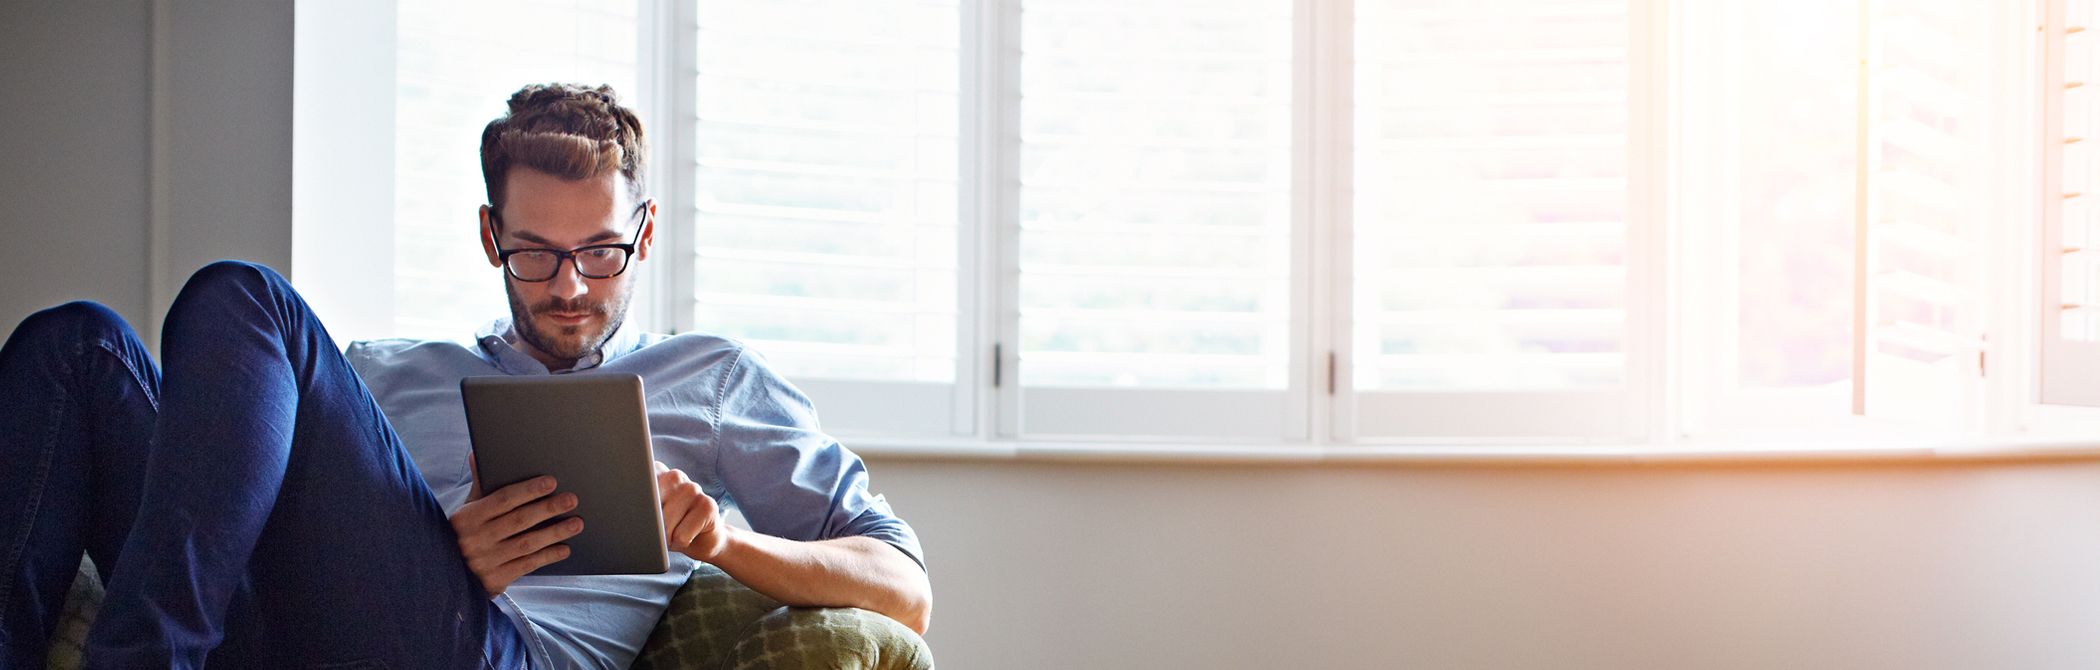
<point x="747" y="436"/>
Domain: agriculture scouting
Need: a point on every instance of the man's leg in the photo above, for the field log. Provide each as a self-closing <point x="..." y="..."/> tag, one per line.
<point x="77" y="399"/>
<point x="278" y="497"/>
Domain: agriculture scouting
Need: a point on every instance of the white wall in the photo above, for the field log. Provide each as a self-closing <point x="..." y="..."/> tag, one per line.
<point x="1056" y="565"/>
<point x="1049" y="565"/>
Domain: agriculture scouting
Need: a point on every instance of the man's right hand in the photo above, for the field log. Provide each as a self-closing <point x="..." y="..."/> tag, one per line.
<point x="497" y="533"/>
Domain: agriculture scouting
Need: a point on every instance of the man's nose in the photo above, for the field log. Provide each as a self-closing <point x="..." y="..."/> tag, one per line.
<point x="567" y="283"/>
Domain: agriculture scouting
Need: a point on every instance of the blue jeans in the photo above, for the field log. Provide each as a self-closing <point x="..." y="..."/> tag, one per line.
<point x="251" y="508"/>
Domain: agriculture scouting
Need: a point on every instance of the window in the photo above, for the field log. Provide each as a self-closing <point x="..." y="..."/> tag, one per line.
<point x="1840" y="194"/>
<point x="456" y="65"/>
<point x="1330" y="221"/>
<point x="1154" y="219"/>
<point x="822" y="163"/>
<point x="1492" y="217"/>
<point x="1771" y="155"/>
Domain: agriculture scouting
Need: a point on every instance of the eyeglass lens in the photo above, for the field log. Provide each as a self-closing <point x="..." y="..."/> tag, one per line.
<point x="592" y="263"/>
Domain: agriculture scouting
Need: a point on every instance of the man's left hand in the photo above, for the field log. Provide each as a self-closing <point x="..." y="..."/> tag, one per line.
<point x="692" y="522"/>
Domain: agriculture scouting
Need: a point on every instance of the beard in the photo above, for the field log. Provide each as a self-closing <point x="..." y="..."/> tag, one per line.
<point x="568" y="342"/>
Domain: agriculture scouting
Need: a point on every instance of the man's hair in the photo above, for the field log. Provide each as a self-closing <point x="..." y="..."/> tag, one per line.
<point x="566" y="130"/>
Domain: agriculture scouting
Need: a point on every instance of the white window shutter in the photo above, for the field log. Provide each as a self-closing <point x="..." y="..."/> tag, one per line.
<point x="1492" y="217"/>
<point x="2069" y="321"/>
<point x="1155" y="220"/>
<point x="823" y="167"/>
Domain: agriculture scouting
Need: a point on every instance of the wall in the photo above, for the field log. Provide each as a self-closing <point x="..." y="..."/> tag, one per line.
<point x="1042" y="565"/>
<point x="1049" y="565"/>
<point x="73" y="155"/>
<point x="142" y="140"/>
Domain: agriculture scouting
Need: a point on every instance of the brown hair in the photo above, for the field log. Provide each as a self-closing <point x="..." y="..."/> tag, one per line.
<point x="566" y="130"/>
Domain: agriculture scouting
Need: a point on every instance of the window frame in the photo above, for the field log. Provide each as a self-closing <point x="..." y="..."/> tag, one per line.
<point x="1661" y="404"/>
<point x="988" y="402"/>
<point x="1633" y="413"/>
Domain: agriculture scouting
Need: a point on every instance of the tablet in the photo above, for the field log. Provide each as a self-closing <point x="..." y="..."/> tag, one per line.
<point x="591" y="433"/>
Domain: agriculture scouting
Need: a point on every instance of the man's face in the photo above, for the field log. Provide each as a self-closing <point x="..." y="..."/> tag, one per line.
<point x="570" y="316"/>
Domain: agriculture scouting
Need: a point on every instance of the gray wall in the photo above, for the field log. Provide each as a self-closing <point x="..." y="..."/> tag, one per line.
<point x="112" y="104"/>
<point x="73" y="155"/>
<point x="1054" y="565"/>
<point x="1062" y="565"/>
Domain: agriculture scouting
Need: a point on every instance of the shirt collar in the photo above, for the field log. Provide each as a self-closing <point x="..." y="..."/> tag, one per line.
<point x="497" y="336"/>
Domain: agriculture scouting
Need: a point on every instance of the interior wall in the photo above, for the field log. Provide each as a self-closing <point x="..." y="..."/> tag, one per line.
<point x="227" y="134"/>
<point x="73" y="155"/>
<point x="106" y="106"/>
<point x="1062" y="565"/>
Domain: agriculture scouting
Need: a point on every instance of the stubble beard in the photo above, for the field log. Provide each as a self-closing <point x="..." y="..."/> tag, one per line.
<point x="567" y="342"/>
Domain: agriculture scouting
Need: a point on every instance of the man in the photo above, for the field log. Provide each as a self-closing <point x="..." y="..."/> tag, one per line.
<point x="260" y="508"/>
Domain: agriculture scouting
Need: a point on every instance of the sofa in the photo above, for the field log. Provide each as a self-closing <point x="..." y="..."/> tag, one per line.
<point x="713" y="622"/>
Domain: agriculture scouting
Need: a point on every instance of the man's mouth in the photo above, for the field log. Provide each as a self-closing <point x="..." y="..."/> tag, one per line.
<point x="568" y="318"/>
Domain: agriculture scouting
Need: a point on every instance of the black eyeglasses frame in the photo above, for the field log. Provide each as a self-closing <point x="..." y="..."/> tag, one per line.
<point x="626" y="249"/>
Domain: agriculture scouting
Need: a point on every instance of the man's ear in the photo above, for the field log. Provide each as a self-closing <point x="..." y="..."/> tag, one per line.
<point x="648" y="238"/>
<point x="488" y="237"/>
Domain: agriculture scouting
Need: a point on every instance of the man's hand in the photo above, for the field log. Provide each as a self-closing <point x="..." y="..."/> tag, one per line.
<point x="861" y="572"/>
<point x="499" y="534"/>
<point x="692" y="523"/>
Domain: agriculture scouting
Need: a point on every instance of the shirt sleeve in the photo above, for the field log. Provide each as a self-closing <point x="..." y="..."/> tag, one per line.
<point x="788" y="478"/>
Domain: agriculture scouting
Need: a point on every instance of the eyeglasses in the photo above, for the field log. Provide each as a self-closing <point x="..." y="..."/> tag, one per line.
<point x="597" y="261"/>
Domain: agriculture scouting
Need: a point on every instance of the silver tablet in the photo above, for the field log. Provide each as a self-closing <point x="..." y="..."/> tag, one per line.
<point x="591" y="433"/>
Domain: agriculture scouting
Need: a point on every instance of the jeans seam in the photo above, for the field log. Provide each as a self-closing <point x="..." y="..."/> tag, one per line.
<point x="36" y="495"/>
<point x="152" y="398"/>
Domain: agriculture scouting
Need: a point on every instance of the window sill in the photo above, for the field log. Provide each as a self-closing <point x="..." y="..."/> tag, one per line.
<point x="1996" y="449"/>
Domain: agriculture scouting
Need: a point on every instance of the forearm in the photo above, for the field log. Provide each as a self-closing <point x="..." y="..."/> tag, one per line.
<point x="858" y="572"/>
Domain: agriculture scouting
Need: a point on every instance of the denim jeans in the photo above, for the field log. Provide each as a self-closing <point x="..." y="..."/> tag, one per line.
<point x="249" y="507"/>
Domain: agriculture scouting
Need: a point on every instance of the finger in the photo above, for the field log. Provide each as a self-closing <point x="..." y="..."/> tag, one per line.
<point x="505" y="499"/>
<point x="525" y="517"/>
<point x="700" y="518"/>
<point x="510" y="572"/>
<point x="675" y="505"/>
<point x="667" y="481"/>
<point x="526" y="543"/>
<point x="667" y="478"/>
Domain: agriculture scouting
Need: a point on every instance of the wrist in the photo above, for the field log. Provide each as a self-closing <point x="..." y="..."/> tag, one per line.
<point x="715" y="545"/>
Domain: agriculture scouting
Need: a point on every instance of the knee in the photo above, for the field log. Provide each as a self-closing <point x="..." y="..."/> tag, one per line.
<point x="217" y="291"/>
<point x="235" y="277"/>
<point x="72" y="323"/>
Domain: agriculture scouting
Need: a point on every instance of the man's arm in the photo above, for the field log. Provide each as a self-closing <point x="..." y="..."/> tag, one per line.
<point x="861" y="572"/>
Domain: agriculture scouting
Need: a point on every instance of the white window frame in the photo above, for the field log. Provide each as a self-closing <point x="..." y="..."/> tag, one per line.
<point x="2030" y="365"/>
<point x="1626" y="414"/>
<point x="1117" y="414"/>
<point x="848" y="407"/>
